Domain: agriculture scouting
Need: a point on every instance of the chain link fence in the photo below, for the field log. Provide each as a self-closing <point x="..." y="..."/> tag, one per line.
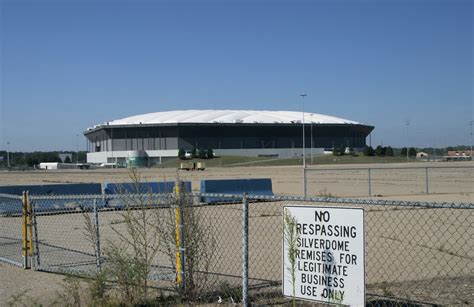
<point x="11" y="229"/>
<point x="418" y="252"/>
<point x="415" y="252"/>
<point x="388" y="181"/>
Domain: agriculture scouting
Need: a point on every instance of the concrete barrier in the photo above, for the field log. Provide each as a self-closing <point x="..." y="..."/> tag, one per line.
<point x="80" y="189"/>
<point x="54" y="189"/>
<point x="144" y="187"/>
<point x="261" y="186"/>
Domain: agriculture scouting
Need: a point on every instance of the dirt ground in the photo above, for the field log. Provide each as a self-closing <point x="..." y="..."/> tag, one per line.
<point x="400" y="241"/>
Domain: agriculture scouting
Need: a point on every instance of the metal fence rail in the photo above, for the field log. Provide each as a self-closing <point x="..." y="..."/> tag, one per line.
<point x="415" y="251"/>
<point x="388" y="181"/>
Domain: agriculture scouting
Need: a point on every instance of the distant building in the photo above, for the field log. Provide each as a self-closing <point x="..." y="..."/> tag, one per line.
<point x="147" y="139"/>
<point x="56" y="165"/>
<point x="458" y="155"/>
<point x="421" y="154"/>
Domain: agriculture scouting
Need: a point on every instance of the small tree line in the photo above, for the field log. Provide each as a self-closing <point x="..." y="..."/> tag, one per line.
<point x="388" y="151"/>
<point x="379" y="151"/>
<point x="34" y="158"/>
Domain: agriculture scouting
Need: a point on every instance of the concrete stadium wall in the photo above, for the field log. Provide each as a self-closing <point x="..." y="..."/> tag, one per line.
<point x="155" y="155"/>
<point x="109" y="156"/>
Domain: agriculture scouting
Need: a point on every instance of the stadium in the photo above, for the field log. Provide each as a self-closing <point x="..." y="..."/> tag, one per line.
<point x="147" y="139"/>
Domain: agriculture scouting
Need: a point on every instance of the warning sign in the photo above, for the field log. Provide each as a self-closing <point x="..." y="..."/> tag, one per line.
<point x="323" y="254"/>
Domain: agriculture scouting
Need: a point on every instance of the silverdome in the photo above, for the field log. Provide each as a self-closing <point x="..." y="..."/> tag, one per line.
<point x="156" y="136"/>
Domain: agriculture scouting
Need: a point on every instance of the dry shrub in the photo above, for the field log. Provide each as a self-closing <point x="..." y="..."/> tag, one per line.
<point x="198" y="247"/>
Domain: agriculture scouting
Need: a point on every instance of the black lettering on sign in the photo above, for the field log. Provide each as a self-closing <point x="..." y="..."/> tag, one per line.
<point x="336" y="295"/>
<point x="309" y="290"/>
<point x="321" y="216"/>
<point x="348" y="258"/>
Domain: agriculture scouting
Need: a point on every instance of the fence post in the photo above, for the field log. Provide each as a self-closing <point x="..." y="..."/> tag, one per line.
<point x="245" y="250"/>
<point x="36" y="253"/>
<point x="370" y="183"/>
<point x="426" y="180"/>
<point x="304" y="182"/>
<point x="97" y="236"/>
<point x="24" y="231"/>
<point x="179" y="235"/>
<point x="29" y="229"/>
<point x="181" y="240"/>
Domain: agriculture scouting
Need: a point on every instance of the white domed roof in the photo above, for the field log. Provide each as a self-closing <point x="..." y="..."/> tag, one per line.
<point x="229" y="116"/>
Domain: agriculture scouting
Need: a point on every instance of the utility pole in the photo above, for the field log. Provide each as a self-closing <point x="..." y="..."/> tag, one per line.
<point x="304" y="157"/>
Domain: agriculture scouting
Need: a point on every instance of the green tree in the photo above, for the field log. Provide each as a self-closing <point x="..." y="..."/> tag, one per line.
<point x="31" y="161"/>
<point x="181" y="154"/>
<point x="210" y="153"/>
<point x="368" y="151"/>
<point x="201" y="153"/>
<point x="338" y="150"/>
<point x="389" y="151"/>
<point x="412" y="152"/>
<point x="67" y="160"/>
<point x="403" y="152"/>
<point x="380" y="151"/>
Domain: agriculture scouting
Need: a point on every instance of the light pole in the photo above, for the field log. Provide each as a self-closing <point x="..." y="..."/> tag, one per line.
<point x="8" y="156"/>
<point x="311" y="138"/>
<point x="304" y="157"/>
<point x="470" y="123"/>
<point x="407" y="123"/>
<point x="77" y="150"/>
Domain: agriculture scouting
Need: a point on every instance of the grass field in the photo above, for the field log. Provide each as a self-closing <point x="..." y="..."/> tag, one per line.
<point x="229" y="161"/>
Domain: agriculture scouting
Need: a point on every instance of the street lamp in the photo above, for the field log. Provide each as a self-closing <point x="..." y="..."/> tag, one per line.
<point x="304" y="157"/>
<point x="77" y="150"/>
<point x="304" y="146"/>
<point x="8" y="156"/>
<point x="471" y="122"/>
<point x="407" y="123"/>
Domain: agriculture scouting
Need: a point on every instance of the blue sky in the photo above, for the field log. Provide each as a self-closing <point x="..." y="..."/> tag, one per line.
<point x="67" y="65"/>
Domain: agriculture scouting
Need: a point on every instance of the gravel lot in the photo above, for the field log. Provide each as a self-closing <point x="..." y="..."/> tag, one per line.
<point x="412" y="241"/>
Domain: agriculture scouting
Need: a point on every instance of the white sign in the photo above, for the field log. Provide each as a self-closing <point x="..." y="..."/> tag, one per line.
<point x="323" y="254"/>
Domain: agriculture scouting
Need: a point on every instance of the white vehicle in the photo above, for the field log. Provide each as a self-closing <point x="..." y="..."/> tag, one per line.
<point x="108" y="165"/>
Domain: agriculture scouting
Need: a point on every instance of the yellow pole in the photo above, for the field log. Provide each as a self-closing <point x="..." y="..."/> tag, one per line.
<point x="30" y="224"/>
<point x="177" y="192"/>
<point x="25" y="237"/>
